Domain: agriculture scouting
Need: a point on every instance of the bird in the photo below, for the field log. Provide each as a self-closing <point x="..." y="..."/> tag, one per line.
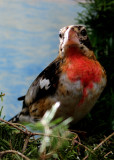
<point x="75" y="78"/>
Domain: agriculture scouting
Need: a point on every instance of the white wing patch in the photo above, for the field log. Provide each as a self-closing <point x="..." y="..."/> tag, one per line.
<point x="44" y="83"/>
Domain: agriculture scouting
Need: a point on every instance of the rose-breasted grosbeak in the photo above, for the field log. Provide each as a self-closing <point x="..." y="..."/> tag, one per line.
<point x="75" y="78"/>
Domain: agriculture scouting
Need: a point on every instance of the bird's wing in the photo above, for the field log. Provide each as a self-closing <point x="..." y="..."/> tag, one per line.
<point x="45" y="84"/>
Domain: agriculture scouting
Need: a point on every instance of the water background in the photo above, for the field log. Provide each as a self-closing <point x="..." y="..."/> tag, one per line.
<point x="28" y="43"/>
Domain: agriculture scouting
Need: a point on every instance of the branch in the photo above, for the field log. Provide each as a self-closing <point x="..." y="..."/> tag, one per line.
<point x="84" y="146"/>
<point x="106" y="155"/>
<point x="103" y="141"/>
<point x="14" y="125"/>
<point x="30" y="133"/>
<point x="85" y="157"/>
<point x="14" y="152"/>
<point x="25" y="143"/>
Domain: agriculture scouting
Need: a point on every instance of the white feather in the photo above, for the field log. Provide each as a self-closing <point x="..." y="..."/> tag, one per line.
<point x="44" y="83"/>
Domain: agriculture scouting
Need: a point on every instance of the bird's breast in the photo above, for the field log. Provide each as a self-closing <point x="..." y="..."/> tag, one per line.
<point x="84" y="76"/>
<point x="83" y="68"/>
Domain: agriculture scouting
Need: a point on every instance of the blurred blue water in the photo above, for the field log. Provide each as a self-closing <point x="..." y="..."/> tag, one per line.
<point x="28" y="43"/>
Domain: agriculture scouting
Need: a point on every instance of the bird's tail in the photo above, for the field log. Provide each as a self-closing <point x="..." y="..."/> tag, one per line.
<point x="15" y="119"/>
<point x="23" y="116"/>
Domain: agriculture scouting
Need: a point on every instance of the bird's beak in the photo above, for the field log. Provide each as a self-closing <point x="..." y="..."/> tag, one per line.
<point x="70" y="37"/>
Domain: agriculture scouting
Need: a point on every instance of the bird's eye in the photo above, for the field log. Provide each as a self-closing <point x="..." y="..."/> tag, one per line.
<point x="83" y="32"/>
<point x="60" y="35"/>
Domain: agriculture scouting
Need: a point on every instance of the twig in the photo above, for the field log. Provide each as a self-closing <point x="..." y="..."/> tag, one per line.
<point x="85" y="157"/>
<point x="30" y="133"/>
<point x="18" y="124"/>
<point x="43" y="156"/>
<point x="14" y="152"/>
<point x="2" y="94"/>
<point x="25" y="144"/>
<point x="43" y="134"/>
<point x="47" y="156"/>
<point x="103" y="141"/>
<point x="76" y="131"/>
<point x="10" y="144"/>
<point x="13" y="125"/>
<point x="73" y="140"/>
<point x="108" y="154"/>
<point x="84" y="146"/>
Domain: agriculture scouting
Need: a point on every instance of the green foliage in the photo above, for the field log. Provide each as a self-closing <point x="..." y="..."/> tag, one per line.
<point x="51" y="140"/>
<point x="58" y="128"/>
<point x="1" y="96"/>
<point x="98" y="18"/>
<point x="1" y="109"/>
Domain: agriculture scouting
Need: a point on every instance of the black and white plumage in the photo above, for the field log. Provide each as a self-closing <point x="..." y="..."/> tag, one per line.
<point x="43" y="86"/>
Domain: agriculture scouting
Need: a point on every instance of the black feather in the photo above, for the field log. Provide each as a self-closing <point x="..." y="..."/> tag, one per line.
<point x="50" y="73"/>
<point x="21" y="98"/>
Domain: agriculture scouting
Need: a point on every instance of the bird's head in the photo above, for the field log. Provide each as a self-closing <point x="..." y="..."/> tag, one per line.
<point x="75" y="36"/>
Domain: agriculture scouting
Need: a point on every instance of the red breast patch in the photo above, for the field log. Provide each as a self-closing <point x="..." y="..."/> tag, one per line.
<point x="80" y="67"/>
